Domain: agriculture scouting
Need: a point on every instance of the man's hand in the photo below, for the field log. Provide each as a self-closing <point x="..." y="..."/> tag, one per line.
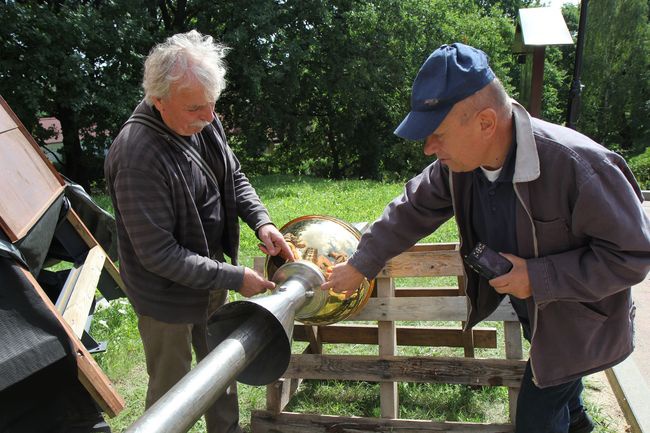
<point x="515" y="282"/>
<point x="254" y="284"/>
<point x="344" y="278"/>
<point x="273" y="243"/>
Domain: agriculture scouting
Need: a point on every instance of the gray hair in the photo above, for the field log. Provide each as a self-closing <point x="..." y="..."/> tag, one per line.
<point x="183" y="56"/>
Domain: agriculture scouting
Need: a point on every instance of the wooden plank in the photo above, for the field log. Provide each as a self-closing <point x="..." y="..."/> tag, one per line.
<point x="279" y="393"/>
<point x="512" y="335"/>
<point x="77" y="309"/>
<point x="406" y="335"/>
<point x="438" y="246"/>
<point x="424" y="264"/>
<point x="259" y="265"/>
<point x="28" y="187"/>
<point x="6" y="121"/>
<point x="453" y="308"/>
<point x="91" y="375"/>
<point x="423" y="292"/>
<point x="68" y="288"/>
<point x="514" y="350"/>
<point x="289" y="422"/>
<point x="7" y="109"/>
<point x="30" y="184"/>
<point x="633" y="394"/>
<point x="468" y="335"/>
<point x="467" y="371"/>
<point x="91" y="242"/>
<point x="388" y="396"/>
<point x="314" y="338"/>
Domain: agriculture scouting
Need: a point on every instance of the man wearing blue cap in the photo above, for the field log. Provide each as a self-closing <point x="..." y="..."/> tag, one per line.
<point x="565" y="211"/>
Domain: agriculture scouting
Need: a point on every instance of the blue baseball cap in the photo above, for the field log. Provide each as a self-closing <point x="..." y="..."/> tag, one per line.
<point x="450" y="74"/>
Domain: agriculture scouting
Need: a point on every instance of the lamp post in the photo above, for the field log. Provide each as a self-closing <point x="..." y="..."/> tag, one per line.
<point x="576" y="86"/>
<point x="537" y="28"/>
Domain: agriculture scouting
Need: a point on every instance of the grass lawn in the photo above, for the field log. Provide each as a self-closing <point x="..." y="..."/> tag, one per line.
<point x="353" y="201"/>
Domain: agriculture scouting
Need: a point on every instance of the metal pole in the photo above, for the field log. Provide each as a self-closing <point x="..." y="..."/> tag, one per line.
<point x="576" y="85"/>
<point x="260" y="321"/>
<point x="184" y="404"/>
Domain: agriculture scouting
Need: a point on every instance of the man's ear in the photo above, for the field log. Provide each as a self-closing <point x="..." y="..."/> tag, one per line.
<point x="488" y="121"/>
<point x="157" y="102"/>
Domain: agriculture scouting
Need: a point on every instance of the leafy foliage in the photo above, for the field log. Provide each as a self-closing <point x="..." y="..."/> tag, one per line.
<point x="640" y="165"/>
<point x="316" y="87"/>
<point x="86" y="73"/>
<point x="338" y="82"/>
<point x="616" y="111"/>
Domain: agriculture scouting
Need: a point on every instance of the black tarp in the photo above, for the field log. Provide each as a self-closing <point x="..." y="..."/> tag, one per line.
<point x="39" y="388"/>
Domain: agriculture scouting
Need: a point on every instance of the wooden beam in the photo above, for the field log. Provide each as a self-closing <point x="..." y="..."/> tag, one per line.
<point x="388" y="395"/>
<point x="439" y="246"/>
<point x="468" y="335"/>
<point x="289" y="422"/>
<point x="422" y="292"/>
<point x="258" y="264"/>
<point x="466" y="371"/>
<point x="30" y="183"/>
<point x="91" y="242"/>
<point x="514" y="350"/>
<point x="452" y="308"/>
<point x="424" y="264"/>
<point x="280" y="392"/>
<point x="83" y="293"/>
<point x="406" y="335"/>
<point x="91" y="375"/>
<point x="633" y="394"/>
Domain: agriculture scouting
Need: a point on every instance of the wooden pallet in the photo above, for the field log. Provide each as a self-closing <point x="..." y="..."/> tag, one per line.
<point x="388" y="307"/>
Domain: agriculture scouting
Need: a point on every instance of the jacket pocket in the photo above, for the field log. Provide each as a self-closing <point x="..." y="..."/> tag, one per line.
<point x="572" y="340"/>
<point x="553" y="236"/>
<point x="584" y="310"/>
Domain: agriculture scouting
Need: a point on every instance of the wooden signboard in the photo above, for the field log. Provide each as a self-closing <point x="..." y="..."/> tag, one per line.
<point x="30" y="183"/>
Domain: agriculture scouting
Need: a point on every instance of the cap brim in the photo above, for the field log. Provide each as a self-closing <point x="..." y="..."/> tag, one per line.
<point x="418" y="125"/>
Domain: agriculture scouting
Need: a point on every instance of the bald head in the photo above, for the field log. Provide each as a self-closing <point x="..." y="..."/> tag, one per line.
<point x="492" y="96"/>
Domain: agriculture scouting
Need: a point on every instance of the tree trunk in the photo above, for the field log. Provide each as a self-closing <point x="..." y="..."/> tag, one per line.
<point x="336" y="171"/>
<point x="73" y="158"/>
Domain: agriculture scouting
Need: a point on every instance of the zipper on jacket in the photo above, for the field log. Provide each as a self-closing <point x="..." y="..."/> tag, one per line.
<point x="535" y="248"/>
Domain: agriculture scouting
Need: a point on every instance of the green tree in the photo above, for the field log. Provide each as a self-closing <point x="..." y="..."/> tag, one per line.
<point x="79" y="61"/>
<point x="318" y="86"/>
<point x="510" y="7"/>
<point x="616" y="75"/>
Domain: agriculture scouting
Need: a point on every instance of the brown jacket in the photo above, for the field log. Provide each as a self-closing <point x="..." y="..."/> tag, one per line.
<point x="579" y="223"/>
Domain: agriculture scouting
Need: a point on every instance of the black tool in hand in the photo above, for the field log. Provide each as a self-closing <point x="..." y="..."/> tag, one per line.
<point x="486" y="262"/>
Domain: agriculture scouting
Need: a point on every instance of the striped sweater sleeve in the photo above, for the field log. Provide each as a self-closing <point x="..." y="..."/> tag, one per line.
<point x="147" y="211"/>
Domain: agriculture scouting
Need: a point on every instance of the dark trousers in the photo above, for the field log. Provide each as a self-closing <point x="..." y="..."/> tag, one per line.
<point x="168" y="352"/>
<point x="547" y="410"/>
<point x="544" y="410"/>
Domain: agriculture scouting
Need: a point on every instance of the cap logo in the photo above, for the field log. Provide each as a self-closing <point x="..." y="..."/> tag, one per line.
<point x="431" y="102"/>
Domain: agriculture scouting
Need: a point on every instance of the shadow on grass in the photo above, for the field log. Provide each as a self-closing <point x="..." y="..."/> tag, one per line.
<point x="438" y="402"/>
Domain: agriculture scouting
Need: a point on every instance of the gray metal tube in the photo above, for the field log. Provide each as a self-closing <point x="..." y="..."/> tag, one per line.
<point x="184" y="404"/>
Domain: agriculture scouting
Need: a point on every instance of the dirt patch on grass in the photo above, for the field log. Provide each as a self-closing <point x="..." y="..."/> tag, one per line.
<point x="603" y="406"/>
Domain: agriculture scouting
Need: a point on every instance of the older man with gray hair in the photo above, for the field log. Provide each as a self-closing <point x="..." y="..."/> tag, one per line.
<point x="178" y="193"/>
